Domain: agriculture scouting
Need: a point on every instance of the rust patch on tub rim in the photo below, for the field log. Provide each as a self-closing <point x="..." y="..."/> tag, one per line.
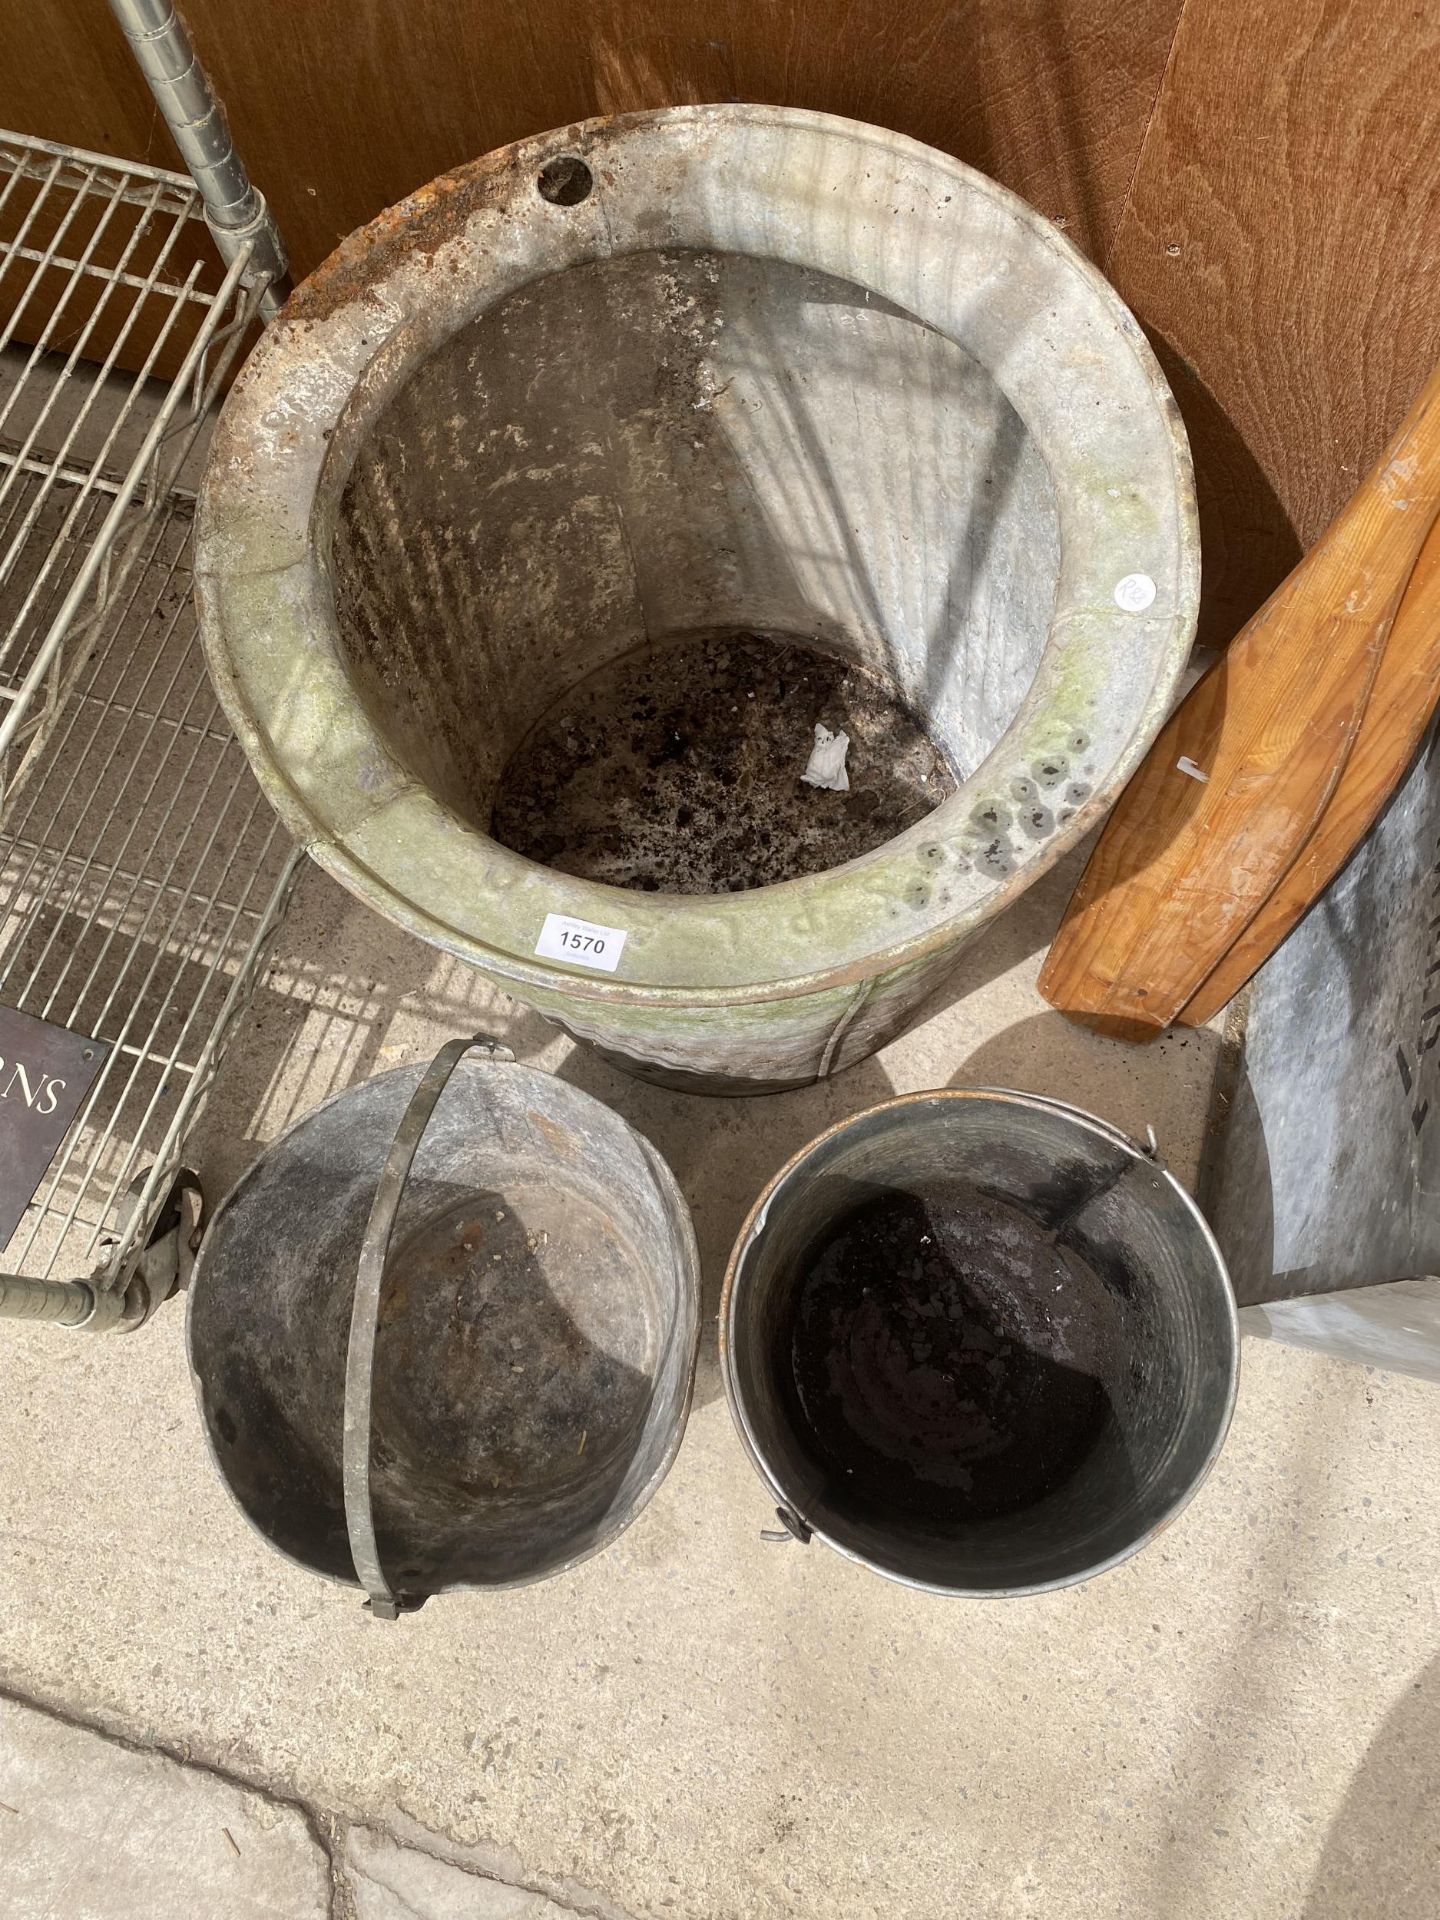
<point x="427" y="221"/>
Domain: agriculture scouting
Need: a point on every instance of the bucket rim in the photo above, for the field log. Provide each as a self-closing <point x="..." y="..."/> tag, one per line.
<point x="754" y="1224"/>
<point x="355" y="330"/>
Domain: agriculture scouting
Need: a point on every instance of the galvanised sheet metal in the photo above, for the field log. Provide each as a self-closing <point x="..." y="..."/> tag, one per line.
<point x="1325" y="1173"/>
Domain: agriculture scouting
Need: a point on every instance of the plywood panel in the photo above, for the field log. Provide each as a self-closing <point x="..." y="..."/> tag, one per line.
<point x="65" y="74"/>
<point x="1282" y="241"/>
<point x="1275" y="227"/>
<point x="342" y="106"/>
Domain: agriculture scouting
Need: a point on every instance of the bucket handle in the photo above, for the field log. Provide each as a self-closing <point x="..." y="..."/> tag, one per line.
<point x="383" y="1602"/>
<point x="1149" y="1150"/>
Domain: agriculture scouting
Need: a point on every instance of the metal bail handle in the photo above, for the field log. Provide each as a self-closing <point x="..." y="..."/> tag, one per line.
<point x="1149" y="1150"/>
<point x="365" y="1314"/>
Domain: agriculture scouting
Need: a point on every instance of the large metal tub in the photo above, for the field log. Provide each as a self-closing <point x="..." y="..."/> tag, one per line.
<point x="734" y="367"/>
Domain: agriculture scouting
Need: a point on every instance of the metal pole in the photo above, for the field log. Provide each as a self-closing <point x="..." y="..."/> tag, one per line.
<point x="235" y="210"/>
<point x="65" y="1303"/>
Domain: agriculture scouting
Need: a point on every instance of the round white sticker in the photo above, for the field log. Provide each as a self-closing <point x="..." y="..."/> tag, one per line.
<point x="1135" y="592"/>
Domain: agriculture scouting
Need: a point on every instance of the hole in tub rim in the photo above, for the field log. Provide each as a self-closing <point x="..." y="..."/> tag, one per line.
<point x="565" y="181"/>
<point x="946" y="244"/>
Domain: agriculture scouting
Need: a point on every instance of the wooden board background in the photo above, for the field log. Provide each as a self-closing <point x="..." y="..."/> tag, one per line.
<point x="1282" y="243"/>
<point x="1260" y="178"/>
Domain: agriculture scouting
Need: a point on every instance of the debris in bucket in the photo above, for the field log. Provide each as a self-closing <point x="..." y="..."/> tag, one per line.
<point x="826" y="765"/>
<point x="947" y="1356"/>
<point x="673" y="769"/>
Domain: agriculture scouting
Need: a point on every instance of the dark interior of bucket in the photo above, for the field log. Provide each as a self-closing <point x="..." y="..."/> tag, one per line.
<point x="973" y="1368"/>
<point x="614" y="553"/>
<point x="505" y="1420"/>
<point x="948" y="1359"/>
<point x="533" y="1347"/>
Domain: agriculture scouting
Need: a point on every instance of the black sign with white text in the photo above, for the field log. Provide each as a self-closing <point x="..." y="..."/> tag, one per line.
<point x="45" y="1072"/>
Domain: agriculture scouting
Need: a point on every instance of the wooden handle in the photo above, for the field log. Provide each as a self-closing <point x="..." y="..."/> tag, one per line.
<point x="1407" y="686"/>
<point x="1238" y="778"/>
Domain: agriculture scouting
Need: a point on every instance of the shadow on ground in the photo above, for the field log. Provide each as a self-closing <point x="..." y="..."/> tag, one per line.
<point x="1382" y="1852"/>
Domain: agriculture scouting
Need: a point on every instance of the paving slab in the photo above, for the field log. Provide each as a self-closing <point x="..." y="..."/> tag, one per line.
<point x="92" y="1830"/>
<point x="387" y="1880"/>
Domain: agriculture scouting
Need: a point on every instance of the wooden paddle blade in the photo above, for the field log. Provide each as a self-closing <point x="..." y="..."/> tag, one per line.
<point x="1240" y="775"/>
<point x="1407" y="686"/>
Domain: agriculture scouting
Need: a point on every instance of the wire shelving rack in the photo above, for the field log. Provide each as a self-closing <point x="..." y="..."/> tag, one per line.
<point x="142" y="874"/>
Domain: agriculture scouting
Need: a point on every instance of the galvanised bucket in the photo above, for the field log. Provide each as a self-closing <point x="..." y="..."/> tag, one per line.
<point x="979" y="1341"/>
<point x="504" y="1385"/>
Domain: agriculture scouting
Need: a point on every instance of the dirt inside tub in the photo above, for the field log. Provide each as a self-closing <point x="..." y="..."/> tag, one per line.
<point x="680" y="768"/>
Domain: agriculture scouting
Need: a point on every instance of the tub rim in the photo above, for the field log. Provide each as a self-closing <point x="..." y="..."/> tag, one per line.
<point x="914" y="223"/>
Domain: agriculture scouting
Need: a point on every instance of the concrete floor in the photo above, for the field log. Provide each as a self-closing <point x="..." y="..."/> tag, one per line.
<point x="699" y="1724"/>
